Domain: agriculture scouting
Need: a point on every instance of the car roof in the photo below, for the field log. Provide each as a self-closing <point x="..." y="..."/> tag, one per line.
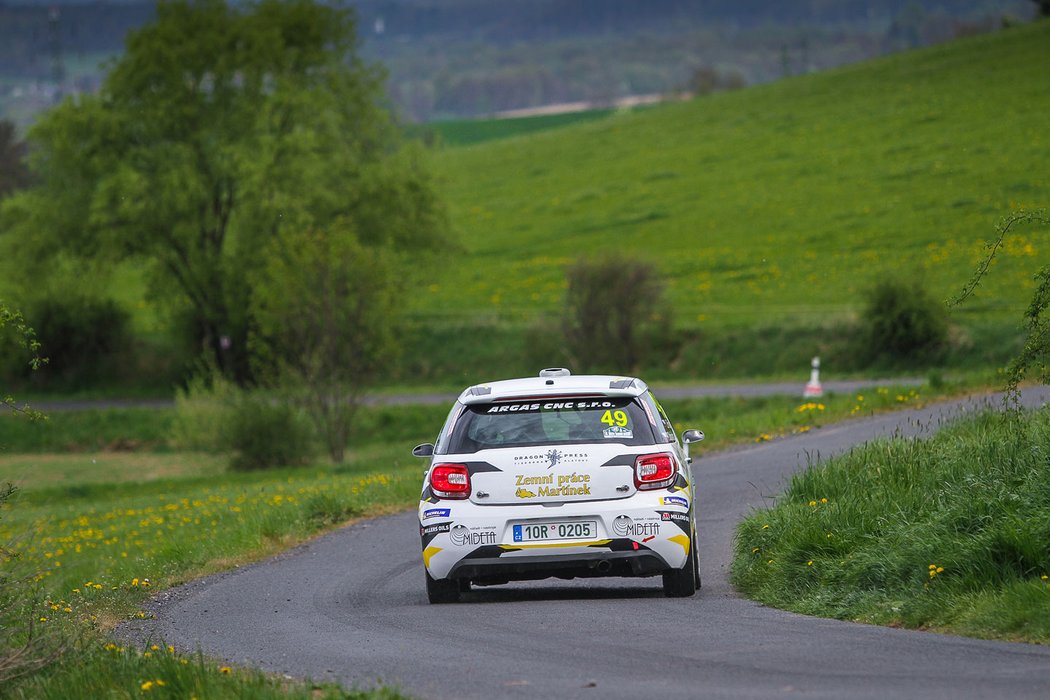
<point x="563" y="385"/>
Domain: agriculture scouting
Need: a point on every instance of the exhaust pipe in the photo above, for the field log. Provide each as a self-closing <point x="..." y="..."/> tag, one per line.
<point x="604" y="566"/>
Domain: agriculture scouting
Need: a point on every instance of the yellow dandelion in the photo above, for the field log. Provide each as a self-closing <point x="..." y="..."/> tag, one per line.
<point x="171" y="649"/>
<point x="823" y="500"/>
<point x="755" y="550"/>
<point x="809" y="563"/>
<point x="812" y="504"/>
<point x="225" y="669"/>
<point x="765" y="527"/>
<point x="154" y="647"/>
<point x="147" y="685"/>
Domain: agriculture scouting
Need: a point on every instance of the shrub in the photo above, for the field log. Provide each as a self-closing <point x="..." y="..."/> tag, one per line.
<point x="214" y="415"/>
<point x="263" y="433"/>
<point x="614" y="314"/>
<point x="902" y="323"/>
<point x="202" y="412"/>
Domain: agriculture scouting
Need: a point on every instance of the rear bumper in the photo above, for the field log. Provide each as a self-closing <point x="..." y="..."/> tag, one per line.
<point x="498" y="570"/>
<point x="643" y="535"/>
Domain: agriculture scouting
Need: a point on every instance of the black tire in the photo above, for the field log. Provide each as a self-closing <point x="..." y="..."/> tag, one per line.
<point x="682" y="583"/>
<point x="696" y="560"/>
<point x="440" y="591"/>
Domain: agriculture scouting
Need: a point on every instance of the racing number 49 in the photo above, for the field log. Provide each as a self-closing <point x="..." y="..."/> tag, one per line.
<point x="612" y="418"/>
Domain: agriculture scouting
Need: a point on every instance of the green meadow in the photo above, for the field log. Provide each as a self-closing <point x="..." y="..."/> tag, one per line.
<point x="779" y="204"/>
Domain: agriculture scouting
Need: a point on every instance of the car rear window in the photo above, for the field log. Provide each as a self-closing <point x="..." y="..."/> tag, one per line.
<point x="550" y="421"/>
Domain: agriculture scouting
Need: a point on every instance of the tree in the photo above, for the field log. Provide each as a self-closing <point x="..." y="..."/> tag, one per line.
<point x="220" y="128"/>
<point x="1042" y="7"/>
<point x="614" y="310"/>
<point x="1035" y="354"/>
<point x="14" y="174"/>
<point x="325" y="305"/>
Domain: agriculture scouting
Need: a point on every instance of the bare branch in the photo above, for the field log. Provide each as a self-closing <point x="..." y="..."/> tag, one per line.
<point x="1022" y="216"/>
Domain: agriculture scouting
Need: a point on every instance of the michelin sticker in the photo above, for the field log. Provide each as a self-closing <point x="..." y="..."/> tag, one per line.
<point x="436" y="513"/>
<point x="618" y="432"/>
<point x="674" y="501"/>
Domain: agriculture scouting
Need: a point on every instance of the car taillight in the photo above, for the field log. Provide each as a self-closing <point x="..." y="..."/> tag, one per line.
<point x="654" y="471"/>
<point x="450" y="480"/>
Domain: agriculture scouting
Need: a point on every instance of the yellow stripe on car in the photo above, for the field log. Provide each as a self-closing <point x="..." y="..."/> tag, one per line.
<point x="682" y="540"/>
<point x="428" y="553"/>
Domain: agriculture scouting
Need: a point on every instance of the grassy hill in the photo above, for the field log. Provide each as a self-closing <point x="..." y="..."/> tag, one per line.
<point x="778" y="204"/>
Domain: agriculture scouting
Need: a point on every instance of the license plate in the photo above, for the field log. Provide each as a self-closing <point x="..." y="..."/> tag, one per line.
<point x="545" y="532"/>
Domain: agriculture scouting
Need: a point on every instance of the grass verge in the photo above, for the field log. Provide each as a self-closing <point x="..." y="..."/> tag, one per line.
<point x="96" y="549"/>
<point x="948" y="533"/>
<point x="112" y="671"/>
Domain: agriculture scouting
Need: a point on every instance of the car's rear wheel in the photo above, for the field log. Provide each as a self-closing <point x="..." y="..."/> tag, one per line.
<point x="682" y="583"/>
<point x="444" y="590"/>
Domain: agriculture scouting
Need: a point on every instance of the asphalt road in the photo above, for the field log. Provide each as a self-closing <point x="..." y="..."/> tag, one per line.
<point x="350" y="606"/>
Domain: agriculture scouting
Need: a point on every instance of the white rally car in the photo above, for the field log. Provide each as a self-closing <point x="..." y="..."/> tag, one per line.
<point x="557" y="475"/>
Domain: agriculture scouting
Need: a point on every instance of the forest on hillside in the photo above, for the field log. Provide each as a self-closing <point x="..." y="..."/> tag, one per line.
<point x="465" y="58"/>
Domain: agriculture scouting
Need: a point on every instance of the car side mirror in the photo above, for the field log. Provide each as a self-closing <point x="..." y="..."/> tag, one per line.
<point x="691" y="436"/>
<point x="424" y="450"/>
